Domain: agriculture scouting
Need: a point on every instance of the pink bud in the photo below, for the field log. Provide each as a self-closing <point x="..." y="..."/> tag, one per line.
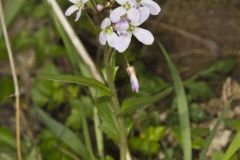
<point x="134" y="83"/>
<point x="133" y="79"/>
<point x="99" y="7"/>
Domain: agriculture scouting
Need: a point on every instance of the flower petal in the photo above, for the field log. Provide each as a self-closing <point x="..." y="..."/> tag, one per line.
<point x="116" y="14"/>
<point x="111" y="39"/>
<point x="134" y="83"/>
<point x="78" y="15"/>
<point x="123" y="42"/>
<point x="106" y="22"/>
<point x="73" y="1"/>
<point x="70" y="10"/>
<point x="84" y="1"/>
<point x="102" y="38"/>
<point x="144" y="13"/>
<point x="134" y="15"/>
<point x="121" y="1"/>
<point x="122" y="26"/>
<point x="153" y="6"/>
<point x="143" y="36"/>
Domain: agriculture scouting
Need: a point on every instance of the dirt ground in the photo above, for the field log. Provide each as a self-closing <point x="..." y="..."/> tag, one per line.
<point x="197" y="32"/>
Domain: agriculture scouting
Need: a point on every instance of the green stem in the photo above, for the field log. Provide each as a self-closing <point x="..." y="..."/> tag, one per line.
<point x="99" y="136"/>
<point x="86" y="134"/>
<point x="115" y="102"/>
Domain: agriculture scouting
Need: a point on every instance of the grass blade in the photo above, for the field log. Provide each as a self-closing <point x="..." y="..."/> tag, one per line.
<point x="85" y="81"/>
<point x="233" y="148"/>
<point x="132" y="104"/>
<point x="11" y="9"/>
<point x="212" y="133"/>
<point x="64" y="134"/>
<point x="182" y="107"/>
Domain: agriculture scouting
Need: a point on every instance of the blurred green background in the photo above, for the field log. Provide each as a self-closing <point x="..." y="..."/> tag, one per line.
<point x="202" y="38"/>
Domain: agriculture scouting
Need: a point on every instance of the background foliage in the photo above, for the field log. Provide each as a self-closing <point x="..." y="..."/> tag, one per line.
<point x="187" y="78"/>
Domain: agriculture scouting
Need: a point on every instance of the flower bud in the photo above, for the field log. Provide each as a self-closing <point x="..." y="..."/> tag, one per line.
<point x="99" y="7"/>
<point x="133" y="79"/>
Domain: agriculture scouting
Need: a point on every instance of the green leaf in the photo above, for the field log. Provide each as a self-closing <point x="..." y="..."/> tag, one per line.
<point x="221" y="66"/>
<point x="47" y="92"/>
<point x="218" y="155"/>
<point x="212" y="133"/>
<point x="6" y="87"/>
<point x="109" y="122"/>
<point x="109" y="158"/>
<point x="182" y="107"/>
<point x="154" y="133"/>
<point x="11" y="10"/>
<point x="233" y="148"/>
<point x="144" y="146"/>
<point x="64" y="134"/>
<point x="198" y="89"/>
<point x="7" y="139"/>
<point x="132" y="104"/>
<point x="197" y="113"/>
<point x="85" y="81"/>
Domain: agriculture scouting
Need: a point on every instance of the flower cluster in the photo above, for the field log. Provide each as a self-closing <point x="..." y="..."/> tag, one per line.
<point x="124" y="21"/>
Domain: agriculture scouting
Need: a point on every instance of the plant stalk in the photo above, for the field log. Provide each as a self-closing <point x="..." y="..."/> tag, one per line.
<point x="115" y="103"/>
<point x="15" y="81"/>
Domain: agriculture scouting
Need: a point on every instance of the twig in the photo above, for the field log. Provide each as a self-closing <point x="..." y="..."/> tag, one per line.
<point x="75" y="40"/>
<point x="14" y="75"/>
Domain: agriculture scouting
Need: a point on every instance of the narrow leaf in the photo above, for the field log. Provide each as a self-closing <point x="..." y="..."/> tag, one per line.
<point x="182" y="106"/>
<point x="132" y="104"/>
<point x="212" y="133"/>
<point x="64" y="134"/>
<point x="11" y="9"/>
<point x="233" y="148"/>
<point x="85" y="81"/>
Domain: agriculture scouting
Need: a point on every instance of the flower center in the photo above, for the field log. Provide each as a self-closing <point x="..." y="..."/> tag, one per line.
<point x="78" y="4"/>
<point x="131" y="28"/>
<point x="127" y="5"/>
<point x="109" y="30"/>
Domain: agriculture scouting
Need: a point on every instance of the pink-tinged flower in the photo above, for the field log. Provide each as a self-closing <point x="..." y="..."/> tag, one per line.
<point x="124" y="38"/>
<point x="126" y="10"/>
<point x="153" y="6"/>
<point x="99" y="7"/>
<point x="133" y="79"/>
<point x="107" y="34"/>
<point x="147" y="7"/>
<point x="78" y="5"/>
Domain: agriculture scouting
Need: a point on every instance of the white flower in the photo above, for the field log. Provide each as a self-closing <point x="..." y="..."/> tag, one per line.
<point x="147" y="7"/>
<point x="78" y="5"/>
<point x="126" y="10"/>
<point x="107" y="34"/>
<point x="153" y="6"/>
<point x="125" y="36"/>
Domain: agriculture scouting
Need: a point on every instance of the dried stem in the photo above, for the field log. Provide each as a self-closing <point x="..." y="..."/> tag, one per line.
<point x="75" y="40"/>
<point x="86" y="59"/>
<point x="15" y="80"/>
